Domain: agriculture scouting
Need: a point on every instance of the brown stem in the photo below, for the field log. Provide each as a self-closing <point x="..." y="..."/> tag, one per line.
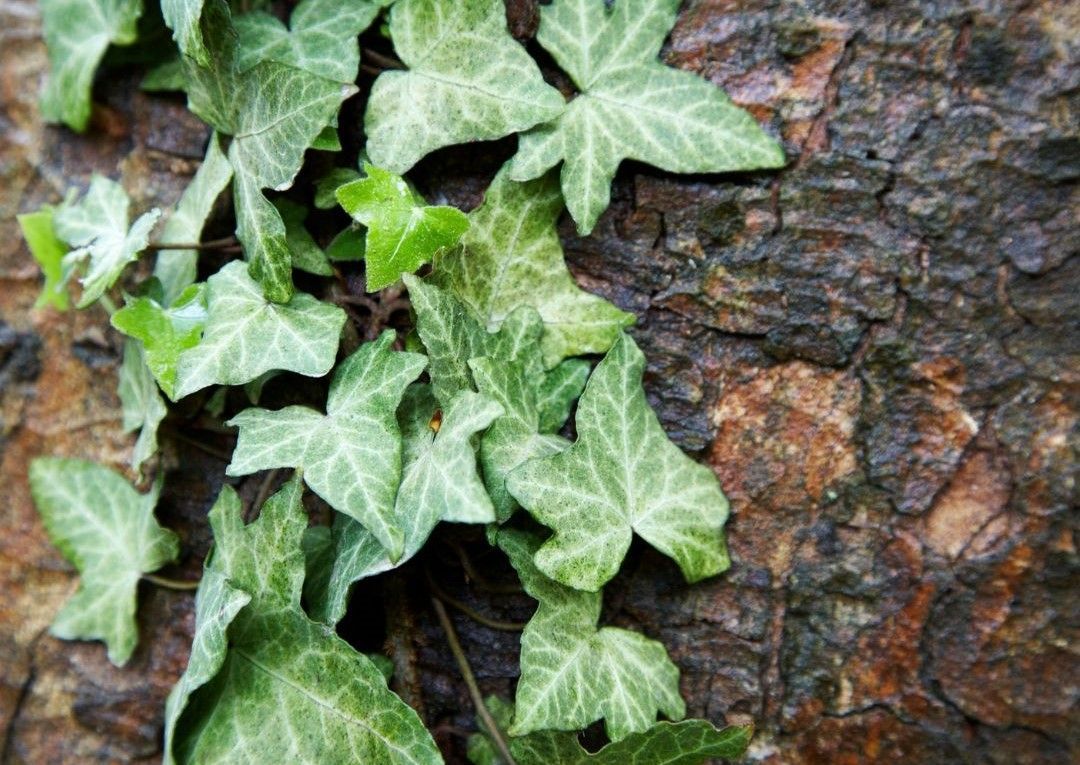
<point x="225" y="243"/>
<point x="474" y="576"/>
<point x="172" y="584"/>
<point x="470" y="682"/>
<point x="212" y="451"/>
<point x="386" y="62"/>
<point x="264" y="490"/>
<point x="472" y="613"/>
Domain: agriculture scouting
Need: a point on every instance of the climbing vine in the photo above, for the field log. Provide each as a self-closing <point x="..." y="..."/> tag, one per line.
<point x="512" y="401"/>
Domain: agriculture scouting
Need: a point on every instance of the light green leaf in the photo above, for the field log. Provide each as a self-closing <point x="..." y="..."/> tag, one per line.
<point x="572" y="673"/>
<point x="97" y="225"/>
<point x="216" y="605"/>
<point x="164" y="78"/>
<point x="246" y="335"/>
<point x="142" y="406"/>
<point x="321" y="38"/>
<point x="511" y="256"/>
<point x="631" y="106"/>
<point x="288" y="690"/>
<point x="306" y="254"/>
<point x="351" y="456"/>
<point x="439" y="483"/>
<point x="559" y="390"/>
<point x="690" y="742"/>
<point x="177" y="269"/>
<point x="468" y="80"/>
<point x="107" y="530"/>
<point x="452" y="336"/>
<point x="621" y="476"/>
<point x="164" y="333"/>
<point x="48" y="251"/>
<point x="403" y="232"/>
<point x="77" y="32"/>
<point x="182" y="17"/>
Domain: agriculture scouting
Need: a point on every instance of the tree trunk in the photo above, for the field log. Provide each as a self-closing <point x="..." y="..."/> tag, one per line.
<point x="876" y="349"/>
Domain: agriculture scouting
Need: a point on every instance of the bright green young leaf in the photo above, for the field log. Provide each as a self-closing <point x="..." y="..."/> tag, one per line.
<point x="690" y="742"/>
<point x="468" y="80"/>
<point x="97" y="225"/>
<point x="511" y="256"/>
<point x="287" y="689"/>
<point x="182" y="17"/>
<point x="107" y="530"/>
<point x="622" y="476"/>
<point x="306" y="253"/>
<point x="403" y="232"/>
<point x="439" y="483"/>
<point x="631" y="106"/>
<point x="351" y="456"/>
<point x="274" y="112"/>
<point x="48" y="251"/>
<point x="572" y="673"/>
<point x="327" y="140"/>
<point x="142" y="406"/>
<point x="77" y="32"/>
<point x="177" y="269"/>
<point x="246" y="335"/>
<point x="165" y="333"/>
<point x="452" y="336"/>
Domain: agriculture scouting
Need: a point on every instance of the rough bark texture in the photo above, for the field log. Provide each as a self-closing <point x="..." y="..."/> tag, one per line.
<point x="877" y="350"/>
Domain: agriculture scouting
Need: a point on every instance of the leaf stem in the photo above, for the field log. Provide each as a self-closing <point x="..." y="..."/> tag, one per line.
<point x="470" y="612"/>
<point x="221" y="454"/>
<point x="225" y="243"/>
<point x="172" y="584"/>
<point x="386" y="62"/>
<point x="470" y="682"/>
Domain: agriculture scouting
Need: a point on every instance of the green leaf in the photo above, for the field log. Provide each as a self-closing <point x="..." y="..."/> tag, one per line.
<point x="177" y="269"/>
<point x="452" y="336"/>
<point x="164" y="78"/>
<point x="403" y="232"/>
<point x="572" y="673"/>
<point x="77" y="32"/>
<point x="511" y="256"/>
<point x="246" y="335"/>
<point x="321" y="38"/>
<point x="164" y="333"/>
<point x="327" y="186"/>
<point x="439" y="483"/>
<point x="559" y="390"/>
<point x="481" y="749"/>
<point x="327" y="140"/>
<point x="287" y="689"/>
<point x="468" y="80"/>
<point x="351" y="456"/>
<point x="631" y="106"/>
<point x="142" y="406"/>
<point x="690" y="742"/>
<point x="97" y="225"/>
<point x="182" y="17"/>
<point x="621" y="476"/>
<point x="274" y="112"/>
<point x="348" y="245"/>
<point x="107" y="530"/>
<point x="48" y="251"/>
<point x="306" y="254"/>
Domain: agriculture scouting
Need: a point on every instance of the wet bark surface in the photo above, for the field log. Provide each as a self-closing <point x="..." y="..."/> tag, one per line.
<point x="877" y="349"/>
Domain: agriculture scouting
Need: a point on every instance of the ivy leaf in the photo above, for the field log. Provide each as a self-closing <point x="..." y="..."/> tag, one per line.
<point x="572" y="673"/>
<point x="48" y="251"/>
<point x="182" y="17"/>
<point x="286" y="689"/>
<point x="177" y="269"/>
<point x="621" y="476"/>
<point x="452" y="336"/>
<point x="107" y="530"/>
<point x="77" y="32"/>
<point x="690" y="742"/>
<point x="631" y="106"/>
<point x="97" y="225"/>
<point x="351" y="456"/>
<point x="561" y="387"/>
<point x="439" y="483"/>
<point x="143" y="408"/>
<point x="164" y="333"/>
<point x="306" y="254"/>
<point x="327" y="186"/>
<point x="403" y="232"/>
<point x="468" y="80"/>
<point x="511" y="256"/>
<point x="481" y="749"/>
<point x="246" y="335"/>
<point x="321" y="38"/>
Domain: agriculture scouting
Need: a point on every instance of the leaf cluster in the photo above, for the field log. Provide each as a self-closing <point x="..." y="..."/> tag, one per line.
<point x="517" y="403"/>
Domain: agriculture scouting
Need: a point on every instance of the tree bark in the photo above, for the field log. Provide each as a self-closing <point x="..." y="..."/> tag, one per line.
<point x="876" y="349"/>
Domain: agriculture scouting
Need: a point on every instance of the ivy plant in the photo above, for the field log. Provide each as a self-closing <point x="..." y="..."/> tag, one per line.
<point x="509" y="399"/>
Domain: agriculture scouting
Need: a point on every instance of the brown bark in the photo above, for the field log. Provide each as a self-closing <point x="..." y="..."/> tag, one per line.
<point x="877" y="350"/>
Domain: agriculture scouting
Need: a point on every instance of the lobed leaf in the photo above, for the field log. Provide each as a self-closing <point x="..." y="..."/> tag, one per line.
<point x="48" y="251"/>
<point x="142" y="407"/>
